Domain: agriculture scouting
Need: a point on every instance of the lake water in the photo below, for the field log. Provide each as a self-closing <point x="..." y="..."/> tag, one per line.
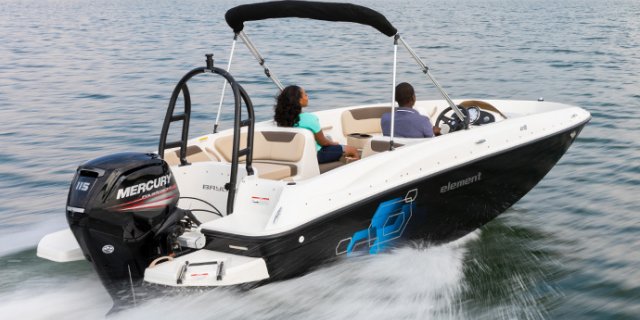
<point x="80" y="79"/>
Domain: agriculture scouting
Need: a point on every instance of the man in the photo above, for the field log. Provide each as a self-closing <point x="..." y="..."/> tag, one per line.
<point x="409" y="123"/>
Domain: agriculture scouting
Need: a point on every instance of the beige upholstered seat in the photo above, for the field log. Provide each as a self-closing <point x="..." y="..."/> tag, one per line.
<point x="367" y="121"/>
<point x="363" y="120"/>
<point x="275" y="171"/>
<point x="275" y="153"/>
<point x="194" y="154"/>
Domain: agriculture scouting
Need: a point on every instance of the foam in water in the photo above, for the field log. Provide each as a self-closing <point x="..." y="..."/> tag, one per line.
<point x="410" y="282"/>
<point x="80" y="299"/>
<point x="23" y="238"/>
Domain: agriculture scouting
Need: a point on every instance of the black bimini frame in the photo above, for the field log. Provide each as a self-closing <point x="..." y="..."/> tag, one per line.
<point x="337" y="12"/>
<point x="240" y="95"/>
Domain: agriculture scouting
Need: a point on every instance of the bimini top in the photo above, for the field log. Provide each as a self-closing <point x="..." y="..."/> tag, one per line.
<point x="347" y="12"/>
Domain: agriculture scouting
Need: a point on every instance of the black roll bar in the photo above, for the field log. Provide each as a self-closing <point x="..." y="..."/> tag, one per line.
<point x="239" y="95"/>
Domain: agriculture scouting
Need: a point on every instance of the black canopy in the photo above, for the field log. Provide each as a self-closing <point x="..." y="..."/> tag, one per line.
<point x="346" y="12"/>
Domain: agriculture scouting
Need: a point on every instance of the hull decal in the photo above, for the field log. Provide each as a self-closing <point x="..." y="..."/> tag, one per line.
<point x="387" y="224"/>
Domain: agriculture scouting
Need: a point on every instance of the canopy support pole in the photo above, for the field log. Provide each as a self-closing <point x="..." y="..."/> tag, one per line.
<point x="393" y="90"/>
<point x="260" y="59"/>
<point x="425" y="70"/>
<point x="224" y="86"/>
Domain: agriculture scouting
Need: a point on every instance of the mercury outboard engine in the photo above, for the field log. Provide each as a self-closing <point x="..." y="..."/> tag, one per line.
<point x="122" y="210"/>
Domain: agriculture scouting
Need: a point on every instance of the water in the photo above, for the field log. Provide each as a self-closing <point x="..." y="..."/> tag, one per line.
<point x="80" y="79"/>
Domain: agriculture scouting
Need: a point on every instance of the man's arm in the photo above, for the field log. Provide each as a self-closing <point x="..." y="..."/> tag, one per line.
<point x="428" y="129"/>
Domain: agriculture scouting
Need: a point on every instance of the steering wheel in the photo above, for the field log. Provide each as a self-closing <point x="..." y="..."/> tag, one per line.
<point x="451" y="119"/>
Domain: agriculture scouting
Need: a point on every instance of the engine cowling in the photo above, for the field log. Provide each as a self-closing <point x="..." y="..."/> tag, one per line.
<point x="122" y="209"/>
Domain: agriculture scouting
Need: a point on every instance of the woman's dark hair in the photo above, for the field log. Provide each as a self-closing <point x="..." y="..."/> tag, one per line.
<point x="288" y="108"/>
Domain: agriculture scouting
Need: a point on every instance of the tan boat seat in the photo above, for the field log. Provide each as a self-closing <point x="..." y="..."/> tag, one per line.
<point x="275" y="171"/>
<point x="275" y="154"/>
<point x="363" y="120"/>
<point x="194" y="154"/>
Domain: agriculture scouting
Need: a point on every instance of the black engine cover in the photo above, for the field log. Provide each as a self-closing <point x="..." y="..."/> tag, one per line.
<point x="122" y="210"/>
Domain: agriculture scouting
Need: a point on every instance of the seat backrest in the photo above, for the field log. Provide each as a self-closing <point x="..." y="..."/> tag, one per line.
<point x="284" y="146"/>
<point x="267" y="145"/>
<point x="363" y="120"/>
<point x="194" y="154"/>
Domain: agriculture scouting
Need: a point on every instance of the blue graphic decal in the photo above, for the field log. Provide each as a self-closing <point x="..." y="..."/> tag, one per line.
<point x="388" y="223"/>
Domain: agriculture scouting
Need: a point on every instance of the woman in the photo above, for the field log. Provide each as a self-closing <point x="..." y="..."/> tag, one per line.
<point x="288" y="113"/>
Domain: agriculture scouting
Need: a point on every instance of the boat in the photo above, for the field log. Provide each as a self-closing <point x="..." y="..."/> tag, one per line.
<point x="250" y="205"/>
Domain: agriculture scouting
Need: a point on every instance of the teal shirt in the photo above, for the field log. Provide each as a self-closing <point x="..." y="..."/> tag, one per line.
<point x="310" y="121"/>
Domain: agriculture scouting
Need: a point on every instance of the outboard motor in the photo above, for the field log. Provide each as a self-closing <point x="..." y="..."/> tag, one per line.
<point x="122" y="210"/>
